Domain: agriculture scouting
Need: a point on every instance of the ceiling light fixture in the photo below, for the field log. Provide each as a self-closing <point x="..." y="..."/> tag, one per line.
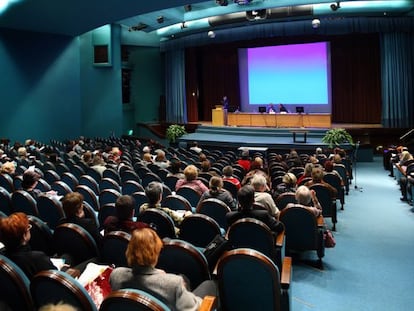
<point x="187" y="7"/>
<point x="160" y="19"/>
<point x="222" y="2"/>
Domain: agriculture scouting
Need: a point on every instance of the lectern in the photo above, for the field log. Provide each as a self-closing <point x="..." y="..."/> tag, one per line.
<point x="219" y="116"/>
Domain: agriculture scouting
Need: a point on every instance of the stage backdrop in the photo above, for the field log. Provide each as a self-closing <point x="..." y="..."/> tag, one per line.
<point x="355" y="76"/>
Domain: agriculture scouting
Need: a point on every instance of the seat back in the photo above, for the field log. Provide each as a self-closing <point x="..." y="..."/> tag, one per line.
<point x="132" y="300"/>
<point x="51" y="176"/>
<point x="171" y="181"/>
<point x="41" y="236"/>
<point x="284" y="199"/>
<point x="131" y="186"/>
<point x="6" y="181"/>
<point x="75" y="241"/>
<point x="253" y="233"/>
<point x="88" y="196"/>
<point x="15" y="291"/>
<point x="216" y="209"/>
<point x="230" y="187"/>
<point x="70" y="179"/>
<point x="107" y="196"/>
<point x="61" y="187"/>
<point x="326" y="201"/>
<point x="129" y="174"/>
<point x="53" y="286"/>
<point x="258" y="287"/>
<point x="50" y="210"/>
<point x="109" y="183"/>
<point x="22" y="201"/>
<point x="193" y="196"/>
<point x="43" y="185"/>
<point x="181" y="257"/>
<point x="90" y="182"/>
<point x="113" y="174"/>
<point x="301" y="230"/>
<point x="163" y="223"/>
<point x="199" y="229"/>
<point x="149" y="177"/>
<point x="5" y="201"/>
<point x="176" y="202"/>
<point x="140" y="198"/>
<point x="113" y="249"/>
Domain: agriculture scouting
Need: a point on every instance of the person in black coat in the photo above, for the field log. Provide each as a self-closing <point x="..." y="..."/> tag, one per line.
<point x="15" y="235"/>
<point x="246" y="199"/>
<point x="72" y="204"/>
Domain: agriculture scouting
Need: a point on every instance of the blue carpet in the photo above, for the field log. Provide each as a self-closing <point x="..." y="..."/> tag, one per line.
<point x="371" y="267"/>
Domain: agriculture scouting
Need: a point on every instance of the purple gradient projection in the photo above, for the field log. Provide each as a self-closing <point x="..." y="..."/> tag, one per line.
<point x="294" y="74"/>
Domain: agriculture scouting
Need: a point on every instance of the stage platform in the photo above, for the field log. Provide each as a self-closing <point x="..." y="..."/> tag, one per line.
<point x="272" y="138"/>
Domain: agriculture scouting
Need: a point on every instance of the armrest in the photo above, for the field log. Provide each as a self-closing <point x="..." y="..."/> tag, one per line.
<point x="286" y="272"/>
<point x="280" y="238"/>
<point x="208" y="303"/>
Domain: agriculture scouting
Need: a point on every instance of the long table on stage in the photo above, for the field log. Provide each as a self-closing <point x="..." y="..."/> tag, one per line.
<point x="322" y="120"/>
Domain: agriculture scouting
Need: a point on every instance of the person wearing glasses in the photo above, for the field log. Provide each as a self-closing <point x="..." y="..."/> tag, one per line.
<point x="15" y="235"/>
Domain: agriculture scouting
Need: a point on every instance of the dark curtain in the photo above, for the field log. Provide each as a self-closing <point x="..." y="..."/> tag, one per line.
<point x="355" y="66"/>
<point x="397" y="75"/>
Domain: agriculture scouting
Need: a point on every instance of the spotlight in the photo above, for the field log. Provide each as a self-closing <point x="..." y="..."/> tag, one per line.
<point x="211" y="34"/>
<point x="160" y="19"/>
<point x="187" y="7"/>
<point x="183" y="25"/>
<point x="335" y="6"/>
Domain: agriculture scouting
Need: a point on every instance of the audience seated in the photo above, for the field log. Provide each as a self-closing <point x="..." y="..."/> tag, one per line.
<point x="307" y="199"/>
<point x="72" y="204"/>
<point x="262" y="195"/>
<point x="228" y="175"/>
<point x="190" y="180"/>
<point x="246" y="198"/>
<point x="216" y="191"/>
<point x="307" y="173"/>
<point x="123" y="221"/>
<point x="142" y="256"/>
<point x="15" y="235"/>
<point x="160" y="159"/>
<point x="244" y="161"/>
<point x="60" y="306"/>
<point x="317" y="178"/>
<point x="154" y="194"/>
<point x="288" y="185"/>
<point x="175" y="168"/>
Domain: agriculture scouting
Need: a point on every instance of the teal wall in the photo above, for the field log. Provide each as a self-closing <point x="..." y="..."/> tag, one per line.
<point x="50" y="87"/>
<point x="147" y="84"/>
<point x="39" y="86"/>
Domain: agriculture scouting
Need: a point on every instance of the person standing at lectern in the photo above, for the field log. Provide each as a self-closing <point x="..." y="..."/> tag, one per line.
<point x="282" y="109"/>
<point x="225" y="102"/>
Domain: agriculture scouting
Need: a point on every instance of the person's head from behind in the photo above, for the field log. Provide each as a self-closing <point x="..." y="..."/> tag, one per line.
<point x="215" y="183"/>
<point x="303" y="195"/>
<point x="318" y="151"/>
<point x="289" y="179"/>
<point x="308" y="169"/>
<point x="175" y="165"/>
<point x="257" y="163"/>
<point x="72" y="204"/>
<point x="125" y="207"/>
<point x="8" y="168"/>
<point x="160" y="155"/>
<point x="259" y="182"/>
<point x="317" y="174"/>
<point x="147" y="157"/>
<point x="14" y="230"/>
<point x="154" y="192"/>
<point x="191" y="172"/>
<point x="245" y="196"/>
<point x="205" y="166"/>
<point x="144" y="248"/>
<point x="22" y="152"/>
<point x="337" y="159"/>
<point x="328" y="165"/>
<point x="60" y="306"/>
<point x="228" y="171"/>
<point x="30" y="179"/>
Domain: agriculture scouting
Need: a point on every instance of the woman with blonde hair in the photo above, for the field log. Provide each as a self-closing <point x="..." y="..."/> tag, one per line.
<point x="216" y="191"/>
<point x="190" y="180"/>
<point x="142" y="256"/>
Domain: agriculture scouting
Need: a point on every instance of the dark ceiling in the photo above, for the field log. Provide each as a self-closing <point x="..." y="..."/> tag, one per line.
<point x="76" y="17"/>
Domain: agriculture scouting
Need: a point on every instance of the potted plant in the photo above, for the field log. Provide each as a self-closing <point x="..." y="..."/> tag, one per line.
<point x="175" y="131"/>
<point x="336" y="137"/>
